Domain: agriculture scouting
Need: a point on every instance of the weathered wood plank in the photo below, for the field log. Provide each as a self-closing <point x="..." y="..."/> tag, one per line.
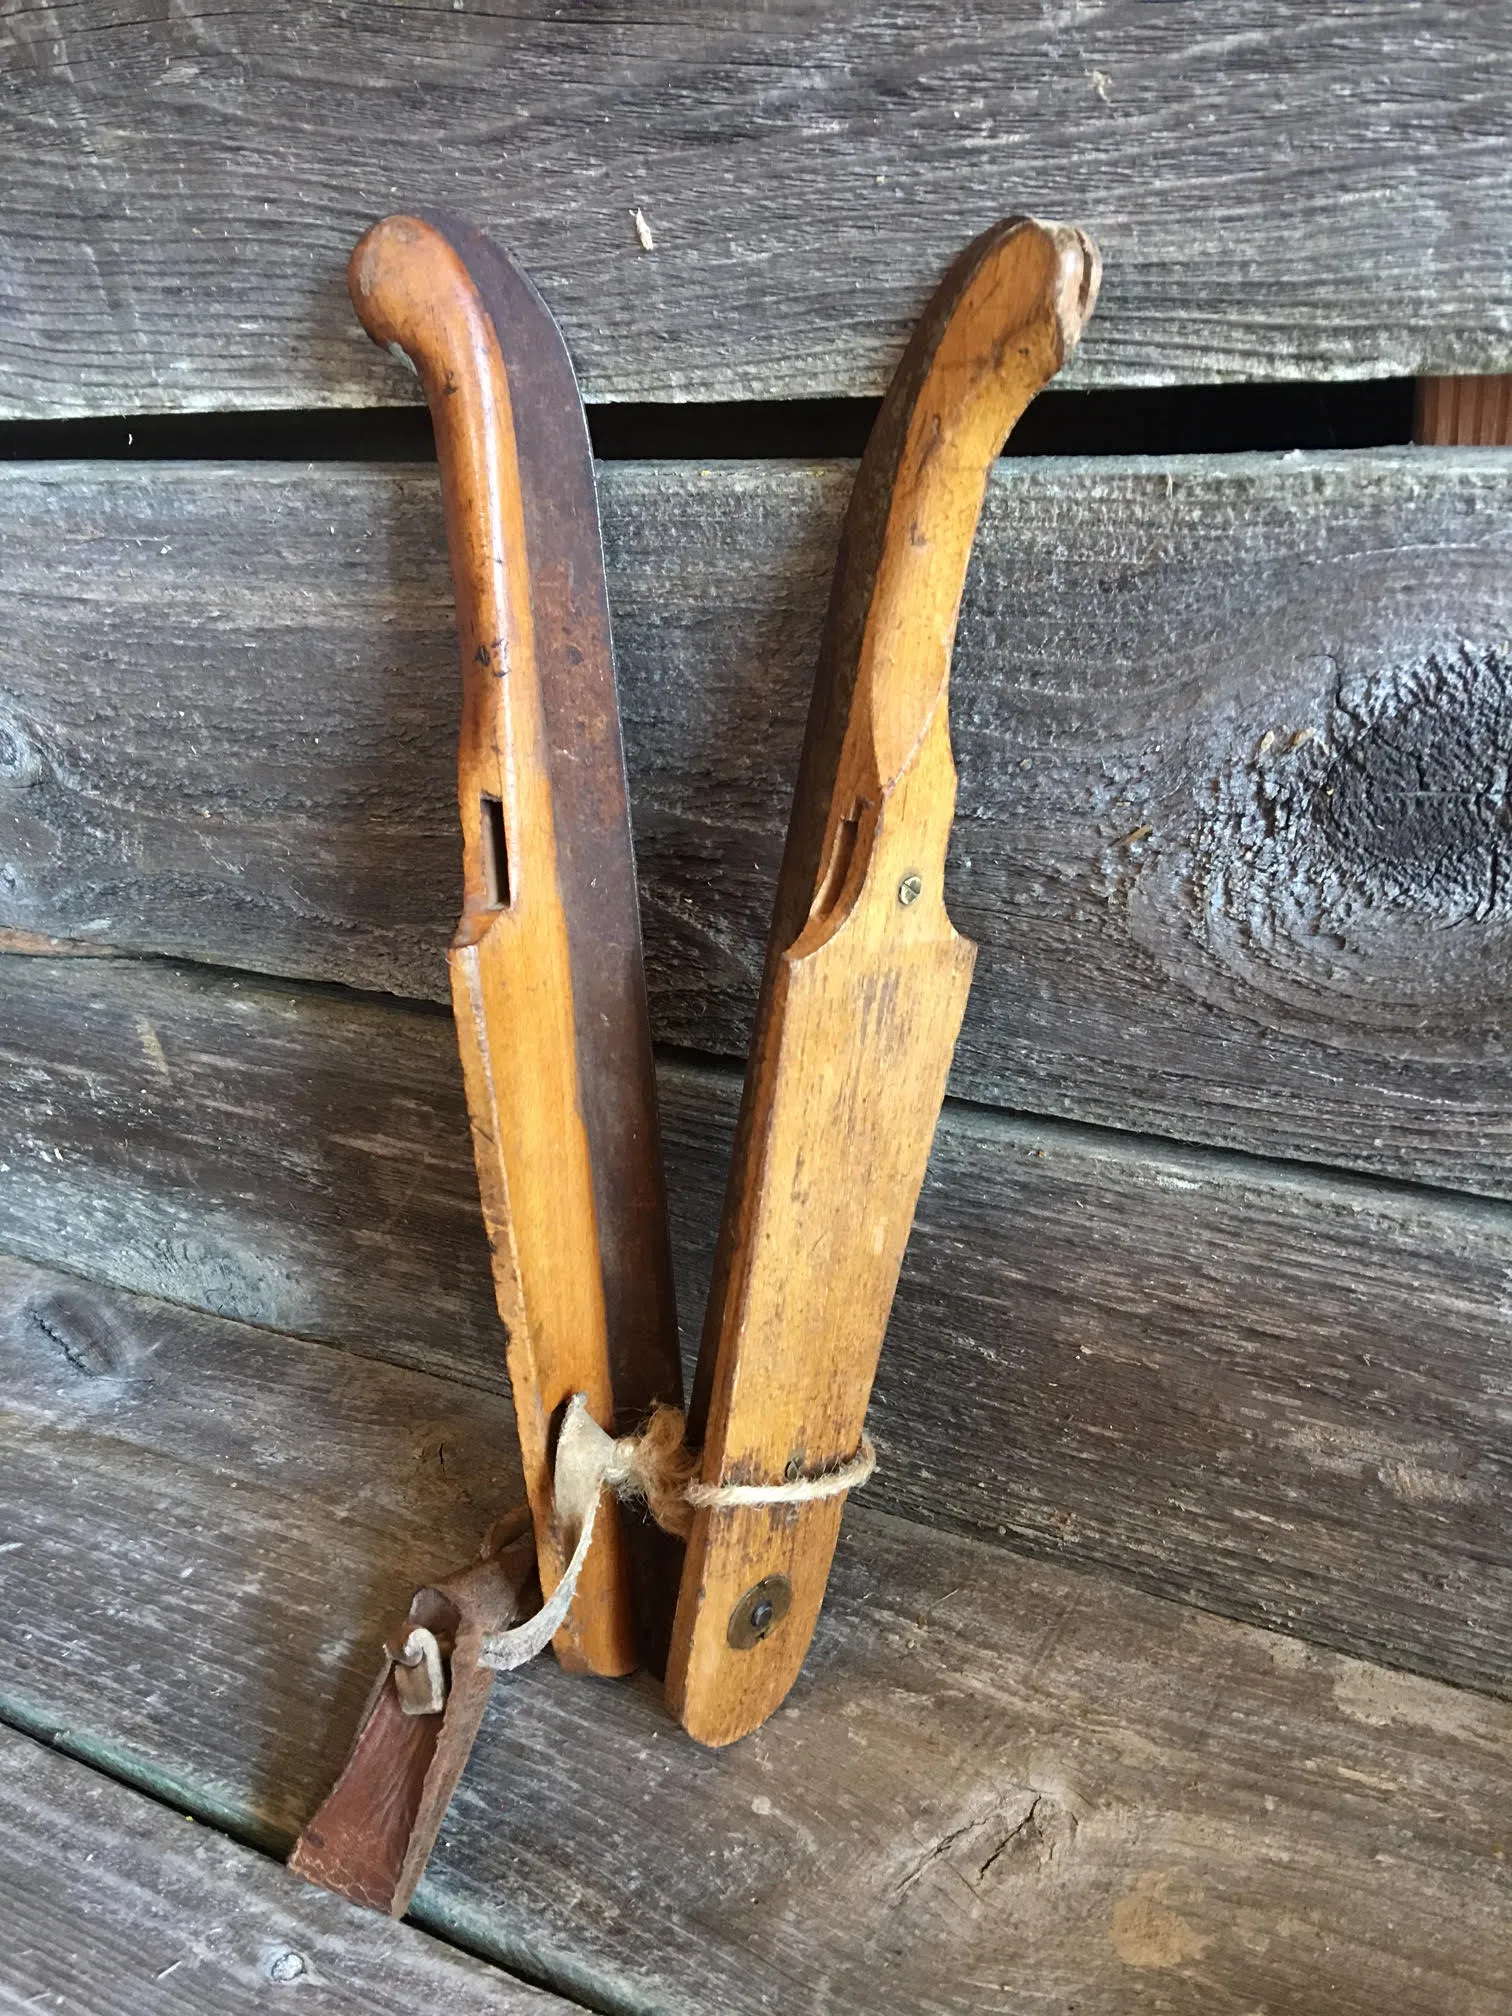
<point x="294" y="1158"/>
<point x="1464" y="412"/>
<point x="1230" y="828"/>
<point x="1275" y="1394"/>
<point x="1280" y="1397"/>
<point x="112" y="1907"/>
<point x="1295" y="194"/>
<point x="998" y="1785"/>
<point x="332" y="1483"/>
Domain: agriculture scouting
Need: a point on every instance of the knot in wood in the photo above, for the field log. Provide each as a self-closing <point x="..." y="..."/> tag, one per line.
<point x="1410" y="798"/>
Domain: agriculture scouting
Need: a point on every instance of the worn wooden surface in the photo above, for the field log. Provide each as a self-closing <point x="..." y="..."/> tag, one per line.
<point x="547" y="980"/>
<point x="1232" y="838"/>
<point x="1463" y="412"/>
<point x="304" y="1489"/>
<point x="1298" y="193"/>
<point x="1229" y="831"/>
<point x="865" y="985"/>
<point x="247" y="1149"/>
<point x="998" y="1785"/>
<point x="113" y="1906"/>
<point x="1274" y="1393"/>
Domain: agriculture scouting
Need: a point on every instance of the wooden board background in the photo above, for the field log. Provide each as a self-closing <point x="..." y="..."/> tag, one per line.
<point x="1232" y="738"/>
<point x="998" y="1785"/>
<point x="1231" y="734"/>
<point x="1292" y="192"/>
<point x="113" y="1907"/>
<point x="1272" y="1392"/>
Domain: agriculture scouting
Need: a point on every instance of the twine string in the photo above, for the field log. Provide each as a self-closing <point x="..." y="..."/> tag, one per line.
<point x="657" y="1467"/>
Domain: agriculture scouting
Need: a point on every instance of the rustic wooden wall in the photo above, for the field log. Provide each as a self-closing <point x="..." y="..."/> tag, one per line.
<point x="999" y="1784"/>
<point x="1229" y="839"/>
<point x="1230" y="732"/>
<point x="1292" y="193"/>
<point x="1210" y="1282"/>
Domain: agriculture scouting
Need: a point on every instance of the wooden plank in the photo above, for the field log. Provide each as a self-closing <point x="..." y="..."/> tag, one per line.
<point x="997" y="1785"/>
<point x="1464" y="412"/>
<point x="865" y="985"/>
<point x="113" y="1906"/>
<point x="296" y="1158"/>
<point x="333" y="1485"/>
<point x="1278" y="1396"/>
<point x="1273" y="1393"/>
<point x="1194" y="705"/>
<point x="1287" y="197"/>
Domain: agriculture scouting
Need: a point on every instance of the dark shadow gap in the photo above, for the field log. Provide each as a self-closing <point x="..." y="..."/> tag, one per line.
<point x="1163" y="420"/>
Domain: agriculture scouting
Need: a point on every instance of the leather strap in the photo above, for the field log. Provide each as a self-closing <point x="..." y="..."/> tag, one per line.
<point x="373" y="1835"/>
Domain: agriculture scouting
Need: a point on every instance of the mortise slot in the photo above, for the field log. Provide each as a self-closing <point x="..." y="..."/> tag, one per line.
<point x="837" y="869"/>
<point x="495" y="854"/>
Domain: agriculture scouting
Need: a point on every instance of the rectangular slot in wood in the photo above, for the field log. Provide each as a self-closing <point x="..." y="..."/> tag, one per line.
<point x="495" y="853"/>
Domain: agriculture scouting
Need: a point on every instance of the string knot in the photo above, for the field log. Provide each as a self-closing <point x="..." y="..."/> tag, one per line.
<point x="657" y="1467"/>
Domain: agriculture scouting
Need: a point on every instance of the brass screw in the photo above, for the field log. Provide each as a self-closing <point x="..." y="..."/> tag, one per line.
<point x="910" y="889"/>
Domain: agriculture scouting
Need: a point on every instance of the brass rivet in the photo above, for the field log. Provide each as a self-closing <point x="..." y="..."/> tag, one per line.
<point x="910" y="889"/>
<point x="759" y="1612"/>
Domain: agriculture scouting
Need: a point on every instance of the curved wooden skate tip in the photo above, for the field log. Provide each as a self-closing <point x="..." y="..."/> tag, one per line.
<point x="1002" y="323"/>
